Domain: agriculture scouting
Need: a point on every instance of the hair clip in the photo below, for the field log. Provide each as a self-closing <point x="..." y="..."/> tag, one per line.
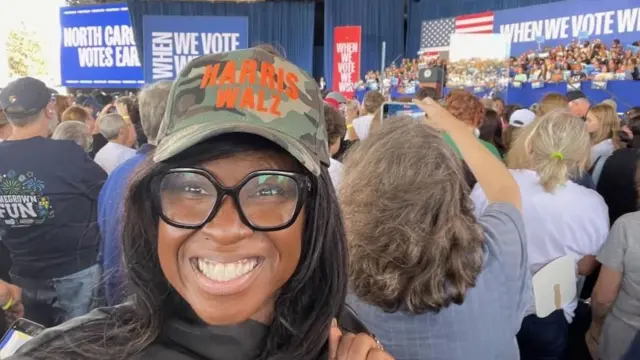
<point x="557" y="155"/>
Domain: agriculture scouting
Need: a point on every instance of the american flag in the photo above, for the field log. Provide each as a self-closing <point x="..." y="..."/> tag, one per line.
<point x="436" y="34"/>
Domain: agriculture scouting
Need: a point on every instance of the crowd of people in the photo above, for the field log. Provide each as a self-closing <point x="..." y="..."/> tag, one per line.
<point x="577" y="61"/>
<point x="186" y="222"/>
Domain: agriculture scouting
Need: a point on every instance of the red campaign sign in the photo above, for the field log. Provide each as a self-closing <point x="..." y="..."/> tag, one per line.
<point x="346" y="59"/>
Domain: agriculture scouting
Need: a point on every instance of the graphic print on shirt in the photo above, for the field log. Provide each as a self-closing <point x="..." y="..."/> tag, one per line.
<point x="22" y="202"/>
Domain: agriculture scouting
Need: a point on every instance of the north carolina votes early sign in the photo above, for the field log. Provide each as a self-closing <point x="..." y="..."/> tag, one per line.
<point x="560" y="22"/>
<point x="98" y="48"/>
<point x="170" y="42"/>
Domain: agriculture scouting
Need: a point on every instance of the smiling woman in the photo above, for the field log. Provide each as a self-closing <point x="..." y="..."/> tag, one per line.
<point x="233" y="240"/>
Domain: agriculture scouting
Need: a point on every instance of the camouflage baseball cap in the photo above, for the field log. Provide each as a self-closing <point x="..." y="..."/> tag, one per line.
<point x="246" y="91"/>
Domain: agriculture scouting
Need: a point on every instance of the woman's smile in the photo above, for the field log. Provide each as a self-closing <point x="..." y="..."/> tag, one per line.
<point x="219" y="278"/>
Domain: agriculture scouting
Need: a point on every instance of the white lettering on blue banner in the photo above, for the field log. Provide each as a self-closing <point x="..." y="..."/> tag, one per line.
<point x="102" y="46"/>
<point x="570" y="27"/>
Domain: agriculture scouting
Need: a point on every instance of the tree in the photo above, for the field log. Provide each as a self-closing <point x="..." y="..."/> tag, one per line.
<point x="24" y="53"/>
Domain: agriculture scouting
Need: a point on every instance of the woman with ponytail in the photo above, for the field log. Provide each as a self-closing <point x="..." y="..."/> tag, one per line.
<point x="561" y="218"/>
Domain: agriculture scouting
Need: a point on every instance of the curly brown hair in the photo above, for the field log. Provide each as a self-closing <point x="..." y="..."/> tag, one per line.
<point x="465" y="106"/>
<point x="414" y="242"/>
<point x="336" y="124"/>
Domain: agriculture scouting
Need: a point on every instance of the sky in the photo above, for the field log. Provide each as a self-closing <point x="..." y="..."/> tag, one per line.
<point x="41" y="17"/>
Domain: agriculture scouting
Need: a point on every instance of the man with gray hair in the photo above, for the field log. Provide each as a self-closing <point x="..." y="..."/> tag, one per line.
<point x="578" y="103"/>
<point x="76" y="131"/>
<point x="47" y="209"/>
<point x="152" y="101"/>
<point x="121" y="137"/>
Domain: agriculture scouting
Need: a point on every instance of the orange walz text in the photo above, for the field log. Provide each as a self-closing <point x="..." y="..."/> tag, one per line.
<point x="232" y="94"/>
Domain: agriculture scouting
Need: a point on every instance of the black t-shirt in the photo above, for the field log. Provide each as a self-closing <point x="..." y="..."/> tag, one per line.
<point x="99" y="141"/>
<point x="48" y="207"/>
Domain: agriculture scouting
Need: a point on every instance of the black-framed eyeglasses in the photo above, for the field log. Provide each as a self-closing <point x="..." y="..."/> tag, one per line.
<point x="266" y="200"/>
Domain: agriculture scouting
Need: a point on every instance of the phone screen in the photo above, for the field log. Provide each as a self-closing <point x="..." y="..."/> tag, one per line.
<point x="401" y="109"/>
<point x="20" y="332"/>
<point x="11" y="342"/>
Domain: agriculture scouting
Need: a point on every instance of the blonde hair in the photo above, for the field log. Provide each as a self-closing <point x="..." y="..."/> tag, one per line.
<point x="509" y="136"/>
<point x="608" y="124"/>
<point x="408" y="254"/>
<point x="517" y="156"/>
<point x="551" y="102"/>
<point x="558" y="147"/>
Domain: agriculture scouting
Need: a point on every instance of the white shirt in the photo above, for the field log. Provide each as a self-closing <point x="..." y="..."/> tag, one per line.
<point x="573" y="221"/>
<point x="336" y="171"/>
<point x="112" y="155"/>
<point x="361" y="126"/>
<point x="603" y="148"/>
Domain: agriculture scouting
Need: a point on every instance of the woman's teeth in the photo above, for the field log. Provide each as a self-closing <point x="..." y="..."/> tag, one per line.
<point x="226" y="272"/>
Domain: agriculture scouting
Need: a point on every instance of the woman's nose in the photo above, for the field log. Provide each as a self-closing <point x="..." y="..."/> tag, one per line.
<point x="227" y="226"/>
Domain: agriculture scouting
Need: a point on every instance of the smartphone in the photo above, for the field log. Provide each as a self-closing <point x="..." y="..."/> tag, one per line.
<point x="21" y="331"/>
<point x="400" y="109"/>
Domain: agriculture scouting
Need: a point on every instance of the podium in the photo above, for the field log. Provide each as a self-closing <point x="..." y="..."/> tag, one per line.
<point x="433" y="77"/>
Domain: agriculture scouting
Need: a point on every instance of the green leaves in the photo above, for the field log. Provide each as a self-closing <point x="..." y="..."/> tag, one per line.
<point x="24" y="53"/>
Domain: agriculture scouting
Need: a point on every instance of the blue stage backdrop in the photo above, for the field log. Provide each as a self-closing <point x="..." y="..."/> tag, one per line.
<point x="98" y="48"/>
<point x="288" y="25"/>
<point x="559" y="23"/>
<point x="170" y="42"/>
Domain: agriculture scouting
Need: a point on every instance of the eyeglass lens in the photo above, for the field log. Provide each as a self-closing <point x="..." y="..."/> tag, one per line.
<point x="266" y="200"/>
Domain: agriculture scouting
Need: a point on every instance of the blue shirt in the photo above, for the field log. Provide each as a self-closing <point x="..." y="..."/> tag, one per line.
<point x="110" y="210"/>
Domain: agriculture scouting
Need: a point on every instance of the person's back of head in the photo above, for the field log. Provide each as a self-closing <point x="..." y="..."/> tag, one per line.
<point x="489" y="129"/>
<point x="336" y="128"/>
<point x="111" y="126"/>
<point x="408" y="255"/>
<point x="62" y="104"/>
<point x="75" y="131"/>
<point x="558" y="146"/>
<point x="152" y="102"/>
<point x="27" y="104"/>
<point x="618" y="182"/>
<point x="466" y="107"/>
<point x="373" y="100"/>
<point x="551" y="102"/>
<point x="75" y="113"/>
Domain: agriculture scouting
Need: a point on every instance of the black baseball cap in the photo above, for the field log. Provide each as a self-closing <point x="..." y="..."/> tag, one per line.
<point x="24" y="97"/>
<point x="575" y="95"/>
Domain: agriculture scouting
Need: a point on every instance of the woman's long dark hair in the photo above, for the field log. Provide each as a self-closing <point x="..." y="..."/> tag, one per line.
<point x="304" y="306"/>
